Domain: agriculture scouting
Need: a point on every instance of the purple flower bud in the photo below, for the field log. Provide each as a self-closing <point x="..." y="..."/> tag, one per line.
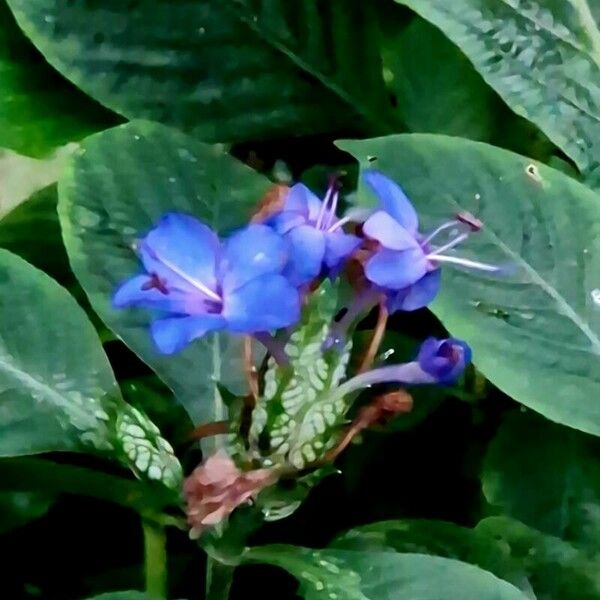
<point x="438" y="361"/>
<point x="445" y="360"/>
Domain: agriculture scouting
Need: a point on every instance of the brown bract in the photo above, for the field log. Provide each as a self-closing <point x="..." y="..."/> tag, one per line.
<point x="217" y="487"/>
<point x="271" y="203"/>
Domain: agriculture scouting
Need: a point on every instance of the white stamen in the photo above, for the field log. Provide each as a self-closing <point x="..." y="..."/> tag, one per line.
<point x="194" y="282"/>
<point x="324" y="206"/>
<point x="457" y="240"/>
<point x="441" y="228"/>
<point x="465" y="262"/>
<point x="331" y="216"/>
<point x="340" y="223"/>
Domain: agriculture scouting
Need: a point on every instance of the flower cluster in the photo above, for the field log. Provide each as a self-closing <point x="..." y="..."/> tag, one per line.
<point x="197" y="283"/>
<point x="256" y="282"/>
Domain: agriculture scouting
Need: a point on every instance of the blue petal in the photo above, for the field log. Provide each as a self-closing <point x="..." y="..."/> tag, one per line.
<point x="173" y="334"/>
<point x="418" y="295"/>
<point x="393" y="199"/>
<point x="396" y="270"/>
<point x="264" y="304"/>
<point x="254" y="251"/>
<point x="307" y="254"/>
<point x="182" y="251"/>
<point x="385" y="229"/>
<point x="286" y="220"/>
<point x="134" y="293"/>
<point x="301" y="199"/>
<point x="339" y="246"/>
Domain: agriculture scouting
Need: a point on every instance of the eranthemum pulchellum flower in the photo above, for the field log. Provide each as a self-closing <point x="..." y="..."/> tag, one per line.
<point x="438" y="361"/>
<point x="319" y="245"/>
<point x="198" y="284"/>
<point x="406" y="263"/>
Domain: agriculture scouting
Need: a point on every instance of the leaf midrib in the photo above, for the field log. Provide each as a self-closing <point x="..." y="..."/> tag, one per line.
<point x="371" y="114"/>
<point x="18" y="374"/>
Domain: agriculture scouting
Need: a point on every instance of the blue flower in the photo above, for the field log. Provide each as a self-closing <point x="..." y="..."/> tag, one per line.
<point x="405" y="264"/>
<point x="318" y="243"/>
<point x="200" y="284"/>
<point x="438" y="361"/>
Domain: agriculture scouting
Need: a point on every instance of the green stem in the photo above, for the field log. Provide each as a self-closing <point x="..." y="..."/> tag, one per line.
<point x="155" y="559"/>
<point x="219" y="578"/>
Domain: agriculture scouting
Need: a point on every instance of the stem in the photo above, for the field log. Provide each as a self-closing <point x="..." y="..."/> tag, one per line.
<point x="155" y="559"/>
<point x="376" y="339"/>
<point x="209" y="430"/>
<point x="274" y="347"/>
<point x="250" y="370"/>
<point x="219" y="578"/>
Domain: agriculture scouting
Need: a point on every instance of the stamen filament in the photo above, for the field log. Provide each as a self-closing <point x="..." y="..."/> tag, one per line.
<point x="194" y="282"/>
<point x="457" y="240"/>
<point x="439" y="230"/>
<point x="324" y="206"/>
<point x="339" y="224"/>
<point x="331" y="215"/>
<point x="465" y="262"/>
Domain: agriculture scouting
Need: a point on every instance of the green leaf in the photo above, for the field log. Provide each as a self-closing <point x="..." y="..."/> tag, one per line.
<point x="546" y="476"/>
<point x="541" y="565"/>
<point x="352" y="575"/>
<point x="437" y="89"/>
<point x="297" y="419"/>
<point x="115" y="189"/>
<point x="32" y="231"/>
<point x="42" y="476"/>
<point x="555" y="568"/>
<point x="18" y="508"/>
<point x="543" y="58"/>
<point x="437" y="538"/>
<point x="228" y="70"/>
<point x="22" y="176"/>
<point x="39" y="110"/>
<point x="57" y="390"/>
<point x="534" y="328"/>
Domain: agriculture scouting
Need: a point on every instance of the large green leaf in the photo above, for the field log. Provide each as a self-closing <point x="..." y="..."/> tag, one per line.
<point x="384" y="575"/>
<point x="57" y="390"/>
<point x="546" y="476"/>
<point x="116" y="188"/>
<point x="437" y="538"/>
<point x="32" y="231"/>
<point x="543" y="58"/>
<point x="555" y="568"/>
<point x="226" y="69"/>
<point x="22" y="176"/>
<point x="436" y="88"/>
<point x="541" y="565"/>
<point x="535" y="328"/>
<point x="39" y="110"/>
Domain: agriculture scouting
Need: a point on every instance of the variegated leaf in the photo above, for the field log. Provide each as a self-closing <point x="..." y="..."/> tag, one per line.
<point x="296" y="419"/>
